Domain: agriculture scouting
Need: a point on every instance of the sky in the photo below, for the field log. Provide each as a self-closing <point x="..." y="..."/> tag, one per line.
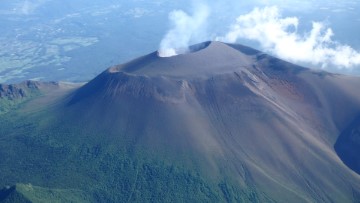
<point x="76" y="40"/>
<point x="276" y="27"/>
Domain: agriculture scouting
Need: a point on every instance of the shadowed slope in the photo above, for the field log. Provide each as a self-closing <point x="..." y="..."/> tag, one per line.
<point x="348" y="145"/>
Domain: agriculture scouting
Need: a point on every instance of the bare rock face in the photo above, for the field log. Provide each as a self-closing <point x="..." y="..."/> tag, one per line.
<point x="13" y="95"/>
<point x="24" y="89"/>
<point x="266" y="122"/>
<point x="17" y="91"/>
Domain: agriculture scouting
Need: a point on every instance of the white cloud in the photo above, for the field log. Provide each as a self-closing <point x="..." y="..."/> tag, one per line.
<point x="137" y="12"/>
<point x="185" y="29"/>
<point x="279" y="35"/>
<point x="28" y="7"/>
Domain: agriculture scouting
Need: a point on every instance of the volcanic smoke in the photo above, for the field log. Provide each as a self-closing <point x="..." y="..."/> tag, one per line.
<point x="185" y="30"/>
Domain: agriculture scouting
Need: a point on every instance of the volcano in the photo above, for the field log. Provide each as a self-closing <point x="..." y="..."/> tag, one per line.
<point x="222" y="123"/>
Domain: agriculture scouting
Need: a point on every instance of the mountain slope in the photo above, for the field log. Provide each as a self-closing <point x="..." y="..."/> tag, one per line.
<point x="223" y="123"/>
<point x="13" y="95"/>
<point x="348" y="145"/>
<point x="28" y="193"/>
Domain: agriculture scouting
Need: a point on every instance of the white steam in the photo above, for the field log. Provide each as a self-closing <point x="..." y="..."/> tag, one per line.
<point x="279" y="36"/>
<point x="28" y="7"/>
<point x="185" y="29"/>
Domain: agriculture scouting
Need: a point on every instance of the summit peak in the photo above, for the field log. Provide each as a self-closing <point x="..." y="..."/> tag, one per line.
<point x="207" y="58"/>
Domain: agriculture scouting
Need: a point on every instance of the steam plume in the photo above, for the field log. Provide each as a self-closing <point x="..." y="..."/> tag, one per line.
<point x="28" y="7"/>
<point x="185" y="29"/>
<point x="279" y="36"/>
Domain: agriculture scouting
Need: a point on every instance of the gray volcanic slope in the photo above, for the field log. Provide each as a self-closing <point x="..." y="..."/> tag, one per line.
<point x="263" y="122"/>
<point x="222" y="123"/>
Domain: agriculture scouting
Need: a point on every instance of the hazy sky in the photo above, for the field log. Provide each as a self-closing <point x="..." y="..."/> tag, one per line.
<point x="36" y="35"/>
<point x="304" y="32"/>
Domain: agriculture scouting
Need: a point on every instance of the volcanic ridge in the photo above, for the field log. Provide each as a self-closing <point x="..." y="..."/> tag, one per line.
<point x="223" y="123"/>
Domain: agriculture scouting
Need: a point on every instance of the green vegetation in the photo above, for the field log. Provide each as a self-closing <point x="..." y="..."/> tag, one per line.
<point x="9" y="103"/>
<point x="30" y="193"/>
<point x="39" y="150"/>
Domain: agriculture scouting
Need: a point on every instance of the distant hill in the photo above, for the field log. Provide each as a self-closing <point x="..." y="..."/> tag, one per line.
<point x="13" y="95"/>
<point x="26" y="193"/>
<point x="224" y="123"/>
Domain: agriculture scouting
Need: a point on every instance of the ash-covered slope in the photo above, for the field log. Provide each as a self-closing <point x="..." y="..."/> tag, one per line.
<point x="224" y="123"/>
<point x="262" y="122"/>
